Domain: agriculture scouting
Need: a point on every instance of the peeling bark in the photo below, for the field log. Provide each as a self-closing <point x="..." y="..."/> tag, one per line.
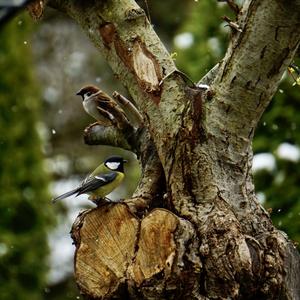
<point x="214" y="241"/>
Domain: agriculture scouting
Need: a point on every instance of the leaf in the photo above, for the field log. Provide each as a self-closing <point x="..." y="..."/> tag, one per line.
<point x="174" y="55"/>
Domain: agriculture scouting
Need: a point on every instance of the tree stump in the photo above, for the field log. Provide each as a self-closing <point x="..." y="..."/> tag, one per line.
<point x="117" y="251"/>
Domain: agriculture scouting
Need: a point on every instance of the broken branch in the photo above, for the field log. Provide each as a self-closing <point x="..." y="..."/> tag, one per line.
<point x="232" y="24"/>
<point x="130" y="110"/>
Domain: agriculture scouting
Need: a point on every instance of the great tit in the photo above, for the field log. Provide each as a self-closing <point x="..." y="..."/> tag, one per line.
<point x="102" y="181"/>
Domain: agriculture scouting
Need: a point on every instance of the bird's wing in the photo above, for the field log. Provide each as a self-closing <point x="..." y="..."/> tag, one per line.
<point x="104" y="113"/>
<point x="95" y="182"/>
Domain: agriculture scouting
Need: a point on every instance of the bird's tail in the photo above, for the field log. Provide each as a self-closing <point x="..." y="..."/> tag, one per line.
<point x="65" y="195"/>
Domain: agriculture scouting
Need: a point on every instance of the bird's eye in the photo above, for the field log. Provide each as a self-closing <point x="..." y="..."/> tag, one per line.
<point x="88" y="94"/>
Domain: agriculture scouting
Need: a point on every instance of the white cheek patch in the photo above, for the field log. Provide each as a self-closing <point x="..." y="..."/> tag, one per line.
<point x="113" y="165"/>
<point x="85" y="96"/>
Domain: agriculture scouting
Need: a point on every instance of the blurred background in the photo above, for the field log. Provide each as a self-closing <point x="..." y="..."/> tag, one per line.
<point x="42" y="153"/>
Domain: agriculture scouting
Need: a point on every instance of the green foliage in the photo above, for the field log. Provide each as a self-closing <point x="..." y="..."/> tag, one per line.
<point x="166" y="16"/>
<point x="210" y="36"/>
<point x="281" y="121"/>
<point x="279" y="124"/>
<point x="282" y="194"/>
<point x="24" y="212"/>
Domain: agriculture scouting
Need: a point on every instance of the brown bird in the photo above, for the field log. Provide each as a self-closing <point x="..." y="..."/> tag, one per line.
<point x="97" y="104"/>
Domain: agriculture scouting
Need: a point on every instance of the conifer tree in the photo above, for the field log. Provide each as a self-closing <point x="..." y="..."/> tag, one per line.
<point x="24" y="216"/>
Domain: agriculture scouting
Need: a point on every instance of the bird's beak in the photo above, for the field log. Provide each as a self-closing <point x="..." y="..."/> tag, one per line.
<point x="78" y="93"/>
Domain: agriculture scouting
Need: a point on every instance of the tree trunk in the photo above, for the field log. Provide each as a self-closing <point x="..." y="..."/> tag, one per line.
<point x="204" y="235"/>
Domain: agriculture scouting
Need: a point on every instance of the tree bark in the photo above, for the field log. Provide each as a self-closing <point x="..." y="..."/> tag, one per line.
<point x="212" y="239"/>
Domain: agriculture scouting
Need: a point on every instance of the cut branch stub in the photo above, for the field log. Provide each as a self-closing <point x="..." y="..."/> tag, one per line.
<point x="130" y="110"/>
<point x="105" y="242"/>
<point x="165" y="255"/>
<point x="157" y="248"/>
<point x="114" y="248"/>
<point x="146" y="67"/>
<point x="137" y="58"/>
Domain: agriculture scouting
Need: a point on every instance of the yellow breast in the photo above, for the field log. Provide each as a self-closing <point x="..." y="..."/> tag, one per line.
<point x="108" y="188"/>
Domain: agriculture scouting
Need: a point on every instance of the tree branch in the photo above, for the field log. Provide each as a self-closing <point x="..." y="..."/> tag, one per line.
<point x="152" y="185"/>
<point x="97" y="134"/>
<point x="269" y="39"/>
<point x="130" y="110"/>
<point x="210" y="75"/>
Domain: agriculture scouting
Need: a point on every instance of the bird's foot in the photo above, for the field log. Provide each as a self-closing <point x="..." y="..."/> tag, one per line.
<point x="88" y="128"/>
<point x="101" y="201"/>
<point x="107" y="200"/>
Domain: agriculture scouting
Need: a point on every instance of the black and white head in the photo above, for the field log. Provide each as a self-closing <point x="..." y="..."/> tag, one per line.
<point x="115" y="163"/>
<point x="87" y="91"/>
